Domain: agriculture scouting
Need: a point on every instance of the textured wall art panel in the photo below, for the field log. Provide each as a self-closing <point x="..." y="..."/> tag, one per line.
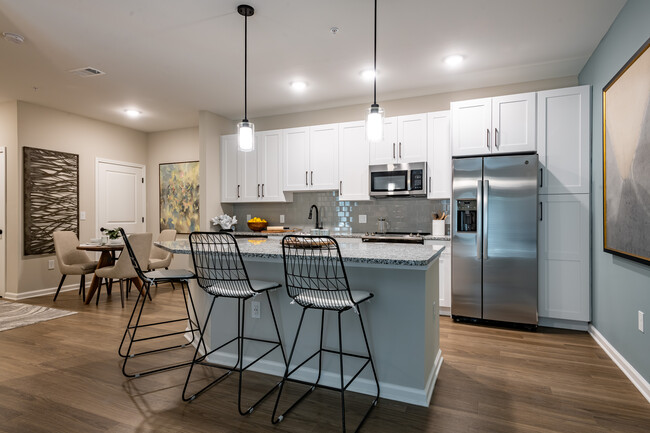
<point x="179" y="196"/>
<point x="51" y="197"/>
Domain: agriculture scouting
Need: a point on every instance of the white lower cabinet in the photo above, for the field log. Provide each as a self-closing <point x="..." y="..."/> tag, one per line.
<point x="563" y="257"/>
<point x="444" y="272"/>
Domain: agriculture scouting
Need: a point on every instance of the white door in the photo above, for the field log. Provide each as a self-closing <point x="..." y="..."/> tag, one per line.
<point x="513" y="123"/>
<point x="323" y="157"/>
<point x="385" y="151"/>
<point x="564" y="257"/>
<point x="3" y="210"/>
<point x="412" y="138"/>
<point x="353" y="161"/>
<point x="471" y="126"/>
<point x="269" y="165"/>
<point x="564" y="139"/>
<point x="295" y="159"/>
<point x="439" y="155"/>
<point x="230" y="187"/>
<point x="120" y="195"/>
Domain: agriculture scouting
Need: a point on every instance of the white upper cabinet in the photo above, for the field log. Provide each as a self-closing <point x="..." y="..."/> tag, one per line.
<point x="353" y="161"/>
<point x="564" y="140"/>
<point x="405" y="140"/>
<point x="513" y="123"/>
<point x="230" y="186"/>
<point x="310" y="158"/>
<point x="269" y="165"/>
<point x="439" y="160"/>
<point x="248" y="176"/>
<point x="505" y="124"/>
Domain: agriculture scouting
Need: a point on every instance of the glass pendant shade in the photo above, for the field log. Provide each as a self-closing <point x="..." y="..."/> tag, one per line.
<point x="246" y="136"/>
<point x="375" y="124"/>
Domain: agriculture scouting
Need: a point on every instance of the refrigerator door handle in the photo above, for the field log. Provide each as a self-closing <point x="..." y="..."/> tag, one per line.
<point x="479" y="218"/>
<point x="486" y="189"/>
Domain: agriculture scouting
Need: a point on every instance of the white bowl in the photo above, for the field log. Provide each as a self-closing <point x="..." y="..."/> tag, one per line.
<point x="95" y="241"/>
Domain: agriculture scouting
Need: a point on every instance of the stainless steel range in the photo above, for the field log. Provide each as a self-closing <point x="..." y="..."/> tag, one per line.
<point x="395" y="237"/>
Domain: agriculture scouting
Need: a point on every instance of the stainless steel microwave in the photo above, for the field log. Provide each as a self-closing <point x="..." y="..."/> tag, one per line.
<point x="398" y="180"/>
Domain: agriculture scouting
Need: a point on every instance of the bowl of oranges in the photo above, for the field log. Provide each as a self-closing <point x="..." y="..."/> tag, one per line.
<point x="257" y="224"/>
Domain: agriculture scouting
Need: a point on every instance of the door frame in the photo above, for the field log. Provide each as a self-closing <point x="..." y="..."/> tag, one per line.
<point x="3" y="221"/>
<point x="143" y="186"/>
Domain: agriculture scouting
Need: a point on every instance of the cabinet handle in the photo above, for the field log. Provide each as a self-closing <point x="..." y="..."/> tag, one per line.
<point x="312" y="178"/>
<point x="488" y="138"/>
<point x="541" y="177"/>
<point x="400" y="150"/>
<point x="393" y="150"/>
<point x="541" y="211"/>
<point x="429" y="183"/>
<point x="496" y="138"/>
<point x="262" y="190"/>
<point x="237" y="191"/>
<point x="306" y="181"/>
<point x="258" y="190"/>
<point x="340" y="187"/>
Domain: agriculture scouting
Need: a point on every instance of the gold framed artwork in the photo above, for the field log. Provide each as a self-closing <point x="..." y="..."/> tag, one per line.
<point x="626" y="159"/>
<point x="179" y="196"/>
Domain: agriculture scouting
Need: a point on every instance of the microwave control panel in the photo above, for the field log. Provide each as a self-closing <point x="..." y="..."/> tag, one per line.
<point x="416" y="180"/>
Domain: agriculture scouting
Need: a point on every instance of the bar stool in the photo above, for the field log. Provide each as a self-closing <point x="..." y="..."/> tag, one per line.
<point x="316" y="279"/>
<point x="220" y="272"/>
<point x="137" y="247"/>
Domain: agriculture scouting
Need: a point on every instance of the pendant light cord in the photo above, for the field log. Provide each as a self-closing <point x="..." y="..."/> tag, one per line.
<point x="246" y="68"/>
<point x="375" y="64"/>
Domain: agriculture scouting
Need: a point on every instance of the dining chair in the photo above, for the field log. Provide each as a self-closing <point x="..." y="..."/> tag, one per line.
<point x="71" y="261"/>
<point x="160" y="258"/>
<point x="315" y="279"/>
<point x="136" y="246"/>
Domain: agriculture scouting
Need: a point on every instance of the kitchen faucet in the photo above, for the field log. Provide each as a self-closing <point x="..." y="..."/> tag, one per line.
<point x="319" y="225"/>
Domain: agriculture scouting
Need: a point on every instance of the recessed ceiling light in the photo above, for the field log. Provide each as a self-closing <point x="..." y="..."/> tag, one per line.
<point x="132" y="112"/>
<point x="368" y="74"/>
<point x="298" y="85"/>
<point x="454" y="60"/>
<point x="13" y="37"/>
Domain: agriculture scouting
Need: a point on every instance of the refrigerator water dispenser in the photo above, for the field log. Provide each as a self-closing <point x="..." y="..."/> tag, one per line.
<point x="466" y="215"/>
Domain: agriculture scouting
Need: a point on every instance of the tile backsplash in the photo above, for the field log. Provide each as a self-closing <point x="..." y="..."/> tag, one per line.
<point x="403" y="214"/>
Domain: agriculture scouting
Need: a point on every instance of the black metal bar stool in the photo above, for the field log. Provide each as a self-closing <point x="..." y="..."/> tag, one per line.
<point x="138" y="250"/>
<point x="316" y="279"/>
<point x="220" y="271"/>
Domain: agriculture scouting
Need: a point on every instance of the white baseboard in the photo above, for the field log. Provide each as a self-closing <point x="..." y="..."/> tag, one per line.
<point x="575" y="325"/>
<point x="635" y="377"/>
<point x="41" y="292"/>
<point x="389" y="391"/>
<point x="444" y="311"/>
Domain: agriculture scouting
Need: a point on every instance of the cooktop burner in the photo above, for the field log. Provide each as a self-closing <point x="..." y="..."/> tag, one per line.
<point x="397" y="237"/>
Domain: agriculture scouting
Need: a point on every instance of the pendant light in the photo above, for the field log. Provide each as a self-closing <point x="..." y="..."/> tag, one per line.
<point x="246" y="129"/>
<point x="375" y="120"/>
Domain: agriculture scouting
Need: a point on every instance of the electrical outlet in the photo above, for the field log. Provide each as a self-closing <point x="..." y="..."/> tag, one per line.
<point x="641" y="327"/>
<point x="255" y="309"/>
<point x="363" y="219"/>
<point x="281" y="219"/>
<point x="82" y="215"/>
<point x="248" y="217"/>
<point x="50" y="264"/>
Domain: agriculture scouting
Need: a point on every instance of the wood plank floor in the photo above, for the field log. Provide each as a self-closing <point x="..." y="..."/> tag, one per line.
<point x="64" y="376"/>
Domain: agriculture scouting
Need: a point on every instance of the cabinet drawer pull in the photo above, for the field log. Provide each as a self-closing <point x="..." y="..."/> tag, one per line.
<point x="488" y="138"/>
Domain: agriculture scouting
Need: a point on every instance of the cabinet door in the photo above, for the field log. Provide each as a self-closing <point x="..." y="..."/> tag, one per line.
<point x="295" y="159"/>
<point x="248" y="179"/>
<point x="323" y="157"/>
<point x="385" y="151"/>
<point x="471" y="125"/>
<point x="513" y="123"/>
<point x="353" y="161"/>
<point x="563" y="140"/>
<point x="564" y="257"/>
<point x="412" y="138"/>
<point x="439" y="160"/>
<point x="269" y="165"/>
<point x="230" y="188"/>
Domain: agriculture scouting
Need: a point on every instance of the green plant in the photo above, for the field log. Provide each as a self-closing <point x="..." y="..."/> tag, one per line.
<point x="111" y="233"/>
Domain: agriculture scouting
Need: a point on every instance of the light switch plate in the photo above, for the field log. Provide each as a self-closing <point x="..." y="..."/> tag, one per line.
<point x="363" y="219"/>
<point x="50" y="264"/>
<point x="82" y="215"/>
<point x="641" y="324"/>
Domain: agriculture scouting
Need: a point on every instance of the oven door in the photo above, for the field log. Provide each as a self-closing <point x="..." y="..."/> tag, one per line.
<point x="387" y="183"/>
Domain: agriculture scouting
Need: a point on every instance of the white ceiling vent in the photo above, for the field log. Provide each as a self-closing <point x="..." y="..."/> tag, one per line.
<point x="86" y="72"/>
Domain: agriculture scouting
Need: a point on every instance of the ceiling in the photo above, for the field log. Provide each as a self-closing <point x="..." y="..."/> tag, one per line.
<point x="171" y="58"/>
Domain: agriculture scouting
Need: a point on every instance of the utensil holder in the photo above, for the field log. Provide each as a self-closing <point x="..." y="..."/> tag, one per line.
<point x="438" y="227"/>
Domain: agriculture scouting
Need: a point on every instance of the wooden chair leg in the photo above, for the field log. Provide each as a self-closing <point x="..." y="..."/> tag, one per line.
<point x="59" y="288"/>
<point x="109" y="286"/>
<point x="99" y="291"/>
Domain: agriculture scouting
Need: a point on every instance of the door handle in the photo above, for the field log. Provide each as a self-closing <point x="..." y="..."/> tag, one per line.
<point x="541" y="177"/>
<point x="306" y="182"/>
<point x="488" y="138"/>
<point x="541" y="211"/>
<point x="496" y="138"/>
<point x="479" y="219"/>
<point x="393" y="150"/>
<point x="400" y="150"/>
<point x="237" y="191"/>
<point x="258" y="190"/>
<point x="340" y="187"/>
<point x="486" y="200"/>
<point x="262" y="190"/>
<point x="312" y="178"/>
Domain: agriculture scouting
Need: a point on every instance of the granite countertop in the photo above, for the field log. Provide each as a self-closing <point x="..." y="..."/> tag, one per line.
<point x="333" y="234"/>
<point x="353" y="253"/>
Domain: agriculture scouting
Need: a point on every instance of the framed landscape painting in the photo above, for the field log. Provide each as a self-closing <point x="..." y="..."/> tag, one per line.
<point x="626" y="159"/>
<point x="179" y="196"/>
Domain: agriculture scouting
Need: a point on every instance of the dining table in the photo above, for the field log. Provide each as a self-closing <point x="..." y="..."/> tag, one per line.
<point x="107" y="258"/>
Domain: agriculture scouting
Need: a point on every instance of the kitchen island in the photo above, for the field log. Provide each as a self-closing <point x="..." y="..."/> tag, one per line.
<point x="401" y="320"/>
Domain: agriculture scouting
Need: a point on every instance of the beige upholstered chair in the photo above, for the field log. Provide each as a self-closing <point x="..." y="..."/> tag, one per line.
<point x="160" y="258"/>
<point x="123" y="269"/>
<point x="71" y="260"/>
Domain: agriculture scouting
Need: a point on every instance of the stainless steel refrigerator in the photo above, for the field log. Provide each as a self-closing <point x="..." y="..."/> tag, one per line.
<point x="494" y="238"/>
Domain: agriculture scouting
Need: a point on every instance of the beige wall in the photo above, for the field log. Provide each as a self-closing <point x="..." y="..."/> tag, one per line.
<point x="12" y="235"/>
<point x="399" y="107"/>
<point x="56" y="130"/>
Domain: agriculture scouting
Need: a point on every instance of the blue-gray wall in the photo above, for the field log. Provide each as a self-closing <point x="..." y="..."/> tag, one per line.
<point x="620" y="287"/>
